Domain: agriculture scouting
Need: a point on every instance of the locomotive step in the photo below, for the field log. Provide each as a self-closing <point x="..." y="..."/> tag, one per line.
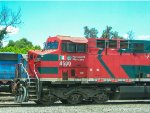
<point x="32" y="91"/>
<point x="33" y="99"/>
<point x="32" y="95"/>
<point x="33" y="79"/>
<point x="32" y="86"/>
<point x="32" y="82"/>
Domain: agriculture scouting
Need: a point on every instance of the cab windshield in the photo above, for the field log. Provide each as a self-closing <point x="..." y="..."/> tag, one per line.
<point x="51" y="45"/>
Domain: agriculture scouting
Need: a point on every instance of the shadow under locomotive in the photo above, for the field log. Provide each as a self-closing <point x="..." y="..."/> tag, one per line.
<point x="67" y="105"/>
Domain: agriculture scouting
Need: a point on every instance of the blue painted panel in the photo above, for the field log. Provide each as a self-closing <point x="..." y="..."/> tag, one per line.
<point x="8" y="67"/>
<point x="7" y="71"/>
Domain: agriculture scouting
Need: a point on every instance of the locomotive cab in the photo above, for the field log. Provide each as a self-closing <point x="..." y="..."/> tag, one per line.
<point x="63" y="58"/>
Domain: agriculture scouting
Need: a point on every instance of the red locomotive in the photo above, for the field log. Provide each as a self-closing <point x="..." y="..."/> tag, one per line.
<point x="76" y="69"/>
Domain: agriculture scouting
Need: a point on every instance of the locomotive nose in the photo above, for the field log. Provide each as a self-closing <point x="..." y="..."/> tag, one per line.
<point x="47" y="65"/>
<point x="47" y="57"/>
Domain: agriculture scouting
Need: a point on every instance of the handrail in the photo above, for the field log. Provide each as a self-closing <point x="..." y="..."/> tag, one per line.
<point x="28" y="77"/>
<point x="35" y="73"/>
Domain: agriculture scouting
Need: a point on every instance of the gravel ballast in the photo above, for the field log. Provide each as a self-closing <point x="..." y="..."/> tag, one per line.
<point x="109" y="107"/>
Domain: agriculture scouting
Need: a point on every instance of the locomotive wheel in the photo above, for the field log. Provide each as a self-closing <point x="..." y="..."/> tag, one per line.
<point x="47" y="100"/>
<point x="38" y="102"/>
<point x="100" y="98"/>
<point x="64" y="101"/>
<point x="74" y="99"/>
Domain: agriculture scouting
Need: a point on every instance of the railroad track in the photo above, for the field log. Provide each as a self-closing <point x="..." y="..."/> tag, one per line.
<point x="5" y="96"/>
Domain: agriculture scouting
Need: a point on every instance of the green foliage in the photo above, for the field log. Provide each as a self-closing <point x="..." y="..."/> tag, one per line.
<point x="115" y="35"/>
<point x="19" y="46"/>
<point x="37" y="47"/>
<point x="130" y="35"/>
<point x="86" y="32"/>
<point x="108" y="33"/>
<point x="11" y="43"/>
<point x="3" y="32"/>
<point x="93" y="33"/>
<point x="90" y="33"/>
<point x="23" y="43"/>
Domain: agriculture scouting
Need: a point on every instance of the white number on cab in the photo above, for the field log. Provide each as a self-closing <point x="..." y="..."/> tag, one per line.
<point x="65" y="63"/>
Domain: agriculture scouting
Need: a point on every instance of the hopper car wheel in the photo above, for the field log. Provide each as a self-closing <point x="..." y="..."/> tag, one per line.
<point x="16" y="99"/>
<point x="21" y="95"/>
<point x="74" y="99"/>
<point x="100" y="98"/>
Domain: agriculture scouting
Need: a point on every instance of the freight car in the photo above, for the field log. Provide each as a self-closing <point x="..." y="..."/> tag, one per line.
<point x="8" y="63"/>
<point x="75" y="69"/>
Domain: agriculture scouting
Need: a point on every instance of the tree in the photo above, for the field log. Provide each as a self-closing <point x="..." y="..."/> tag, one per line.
<point x="86" y="32"/>
<point x="93" y="33"/>
<point x="19" y="46"/>
<point x="22" y="43"/>
<point x="11" y="43"/>
<point x="90" y="33"/>
<point x="130" y="35"/>
<point x="107" y="33"/>
<point x="115" y="34"/>
<point x="8" y="18"/>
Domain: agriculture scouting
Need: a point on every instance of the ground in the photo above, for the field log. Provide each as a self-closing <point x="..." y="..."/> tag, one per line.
<point x="109" y="107"/>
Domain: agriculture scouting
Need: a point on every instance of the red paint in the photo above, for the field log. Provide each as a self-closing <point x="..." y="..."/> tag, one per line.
<point x="89" y="66"/>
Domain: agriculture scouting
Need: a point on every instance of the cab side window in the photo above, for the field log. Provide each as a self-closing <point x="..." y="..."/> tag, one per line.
<point x="73" y="47"/>
<point x="101" y="43"/>
<point x="113" y="44"/>
<point x="124" y="44"/>
<point x="64" y="46"/>
<point x="81" y="48"/>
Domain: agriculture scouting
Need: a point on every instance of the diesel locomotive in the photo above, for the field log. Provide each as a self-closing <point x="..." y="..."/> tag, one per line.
<point x="76" y="69"/>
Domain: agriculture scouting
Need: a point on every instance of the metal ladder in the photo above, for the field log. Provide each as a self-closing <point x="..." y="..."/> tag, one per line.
<point x="33" y="89"/>
<point x="33" y="85"/>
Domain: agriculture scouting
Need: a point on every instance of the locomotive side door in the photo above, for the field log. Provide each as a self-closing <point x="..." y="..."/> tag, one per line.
<point x="64" y="70"/>
<point x="64" y="75"/>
